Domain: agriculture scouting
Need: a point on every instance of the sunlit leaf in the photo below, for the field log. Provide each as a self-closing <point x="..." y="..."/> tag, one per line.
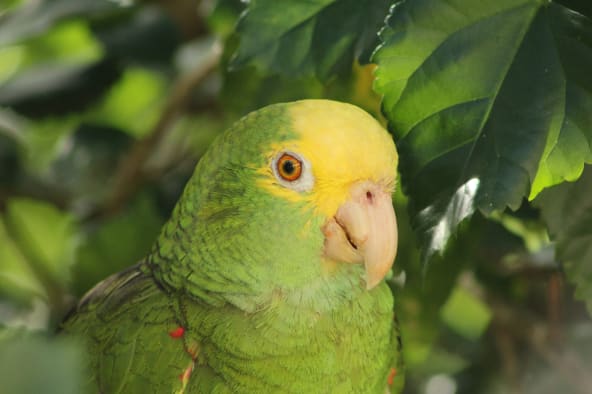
<point x="466" y="314"/>
<point x="17" y="279"/>
<point x="70" y="42"/>
<point x="489" y="103"/>
<point x="134" y="103"/>
<point x="44" y="234"/>
<point x="10" y="60"/>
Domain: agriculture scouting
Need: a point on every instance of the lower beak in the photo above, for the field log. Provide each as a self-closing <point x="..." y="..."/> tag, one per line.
<point x="364" y="230"/>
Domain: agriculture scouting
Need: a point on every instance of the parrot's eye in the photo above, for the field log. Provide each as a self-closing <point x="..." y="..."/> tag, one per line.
<point x="293" y="171"/>
<point x="289" y="167"/>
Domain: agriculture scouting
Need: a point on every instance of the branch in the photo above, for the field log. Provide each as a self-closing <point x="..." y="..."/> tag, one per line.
<point x="129" y="176"/>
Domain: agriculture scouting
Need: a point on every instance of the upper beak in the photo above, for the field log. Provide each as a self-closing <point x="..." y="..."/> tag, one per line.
<point x="364" y="230"/>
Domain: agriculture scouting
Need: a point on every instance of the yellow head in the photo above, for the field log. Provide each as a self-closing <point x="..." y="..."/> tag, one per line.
<point x="347" y="173"/>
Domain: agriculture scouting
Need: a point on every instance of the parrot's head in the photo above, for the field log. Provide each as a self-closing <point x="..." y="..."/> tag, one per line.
<point x="294" y="196"/>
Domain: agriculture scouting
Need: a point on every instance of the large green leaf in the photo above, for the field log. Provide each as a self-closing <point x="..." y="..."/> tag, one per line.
<point x="304" y="37"/>
<point x="489" y="102"/>
<point x="567" y="210"/>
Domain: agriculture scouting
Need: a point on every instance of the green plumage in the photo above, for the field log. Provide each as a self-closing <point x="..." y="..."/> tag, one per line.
<point x="232" y="299"/>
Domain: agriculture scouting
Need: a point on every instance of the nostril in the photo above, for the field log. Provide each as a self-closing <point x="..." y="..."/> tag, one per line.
<point x="369" y="196"/>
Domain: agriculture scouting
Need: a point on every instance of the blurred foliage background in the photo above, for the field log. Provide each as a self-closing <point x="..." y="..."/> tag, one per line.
<point x="105" y="108"/>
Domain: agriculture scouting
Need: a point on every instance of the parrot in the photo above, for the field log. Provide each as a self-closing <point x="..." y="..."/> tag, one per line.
<point x="269" y="275"/>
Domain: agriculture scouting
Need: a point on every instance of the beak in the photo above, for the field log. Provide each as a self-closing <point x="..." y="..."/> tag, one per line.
<point x="364" y="230"/>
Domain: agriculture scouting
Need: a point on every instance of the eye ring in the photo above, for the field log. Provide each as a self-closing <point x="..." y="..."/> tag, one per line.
<point x="289" y="167"/>
<point x="293" y="171"/>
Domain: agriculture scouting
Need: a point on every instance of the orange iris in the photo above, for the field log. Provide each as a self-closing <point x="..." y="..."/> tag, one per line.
<point x="289" y="167"/>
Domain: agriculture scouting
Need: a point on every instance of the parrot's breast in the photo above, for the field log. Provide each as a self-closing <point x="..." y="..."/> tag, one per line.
<point x="290" y="348"/>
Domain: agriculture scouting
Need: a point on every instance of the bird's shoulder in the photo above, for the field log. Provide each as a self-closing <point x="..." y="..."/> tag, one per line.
<point x="134" y="338"/>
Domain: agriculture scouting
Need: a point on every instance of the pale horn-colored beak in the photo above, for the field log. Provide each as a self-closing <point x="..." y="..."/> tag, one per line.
<point x="364" y="230"/>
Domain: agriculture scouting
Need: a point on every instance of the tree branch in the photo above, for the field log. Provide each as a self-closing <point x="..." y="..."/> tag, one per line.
<point x="128" y="176"/>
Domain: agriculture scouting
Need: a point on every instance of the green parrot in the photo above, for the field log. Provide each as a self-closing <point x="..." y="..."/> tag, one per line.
<point x="268" y="277"/>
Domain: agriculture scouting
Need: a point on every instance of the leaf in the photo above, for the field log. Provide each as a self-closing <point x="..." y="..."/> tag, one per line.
<point x="442" y="362"/>
<point x="51" y="89"/>
<point x="42" y="140"/>
<point x="17" y="279"/>
<point x="223" y="17"/>
<point x="36" y="17"/>
<point x="485" y="99"/>
<point x="69" y="46"/>
<point x="466" y="314"/>
<point x="296" y="38"/>
<point x="248" y="89"/>
<point x="584" y="7"/>
<point x="70" y="42"/>
<point x="148" y="36"/>
<point x="44" y="234"/>
<point x="10" y="60"/>
<point x="84" y="164"/>
<point x="37" y="365"/>
<point x="9" y="160"/>
<point x="481" y="243"/>
<point x="134" y="103"/>
<point x="115" y="244"/>
<point x="567" y="210"/>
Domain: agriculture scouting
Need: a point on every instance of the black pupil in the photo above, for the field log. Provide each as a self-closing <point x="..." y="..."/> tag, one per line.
<point x="288" y="167"/>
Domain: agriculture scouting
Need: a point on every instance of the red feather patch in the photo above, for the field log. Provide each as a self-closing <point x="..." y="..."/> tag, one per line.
<point x="177" y="332"/>
<point x="391" y="376"/>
